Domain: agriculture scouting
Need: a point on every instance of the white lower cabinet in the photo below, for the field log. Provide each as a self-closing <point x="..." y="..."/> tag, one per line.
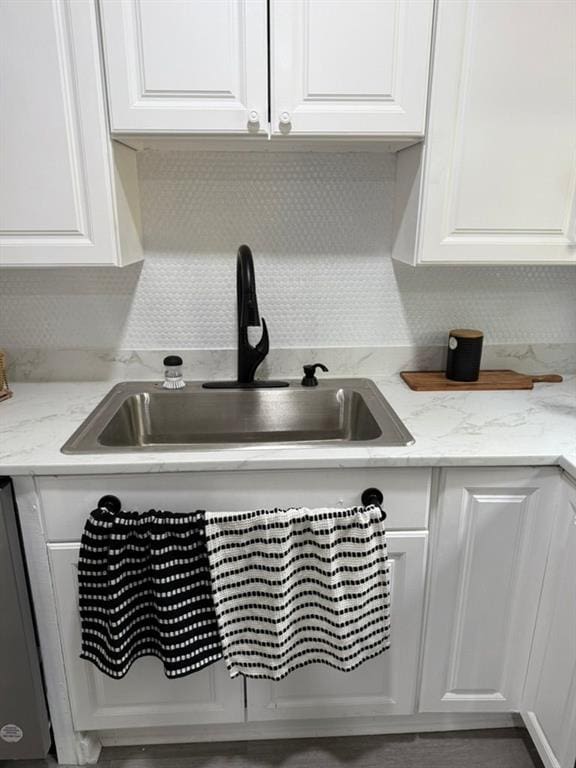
<point x="549" y="709"/>
<point x="386" y="685"/>
<point x="145" y="696"/>
<point x="488" y="626"/>
<point x="488" y="550"/>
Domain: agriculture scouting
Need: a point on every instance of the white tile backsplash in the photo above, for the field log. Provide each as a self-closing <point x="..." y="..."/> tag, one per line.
<point x="320" y="228"/>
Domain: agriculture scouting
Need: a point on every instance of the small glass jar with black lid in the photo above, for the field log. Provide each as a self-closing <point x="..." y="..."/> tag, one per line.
<point x="173" y="375"/>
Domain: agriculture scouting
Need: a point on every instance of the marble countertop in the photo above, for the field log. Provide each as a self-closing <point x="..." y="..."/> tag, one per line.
<point x="526" y="427"/>
<point x="568" y="463"/>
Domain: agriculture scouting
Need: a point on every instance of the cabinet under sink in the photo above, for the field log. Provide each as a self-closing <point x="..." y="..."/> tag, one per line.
<point x="480" y="627"/>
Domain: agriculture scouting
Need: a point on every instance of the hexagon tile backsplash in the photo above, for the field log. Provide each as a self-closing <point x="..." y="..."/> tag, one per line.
<point x="320" y="228"/>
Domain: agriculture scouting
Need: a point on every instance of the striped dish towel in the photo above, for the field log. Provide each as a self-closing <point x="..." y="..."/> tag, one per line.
<point x="144" y="589"/>
<point x="299" y="586"/>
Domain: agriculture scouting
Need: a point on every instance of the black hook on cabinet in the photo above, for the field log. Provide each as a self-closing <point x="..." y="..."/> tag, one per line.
<point x="111" y="503"/>
<point x="373" y="497"/>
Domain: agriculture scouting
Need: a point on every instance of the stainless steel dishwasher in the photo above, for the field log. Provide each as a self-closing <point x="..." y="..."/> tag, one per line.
<point x="24" y="724"/>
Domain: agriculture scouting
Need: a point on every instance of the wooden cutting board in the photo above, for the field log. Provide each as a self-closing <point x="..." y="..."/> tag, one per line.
<point x="436" y="381"/>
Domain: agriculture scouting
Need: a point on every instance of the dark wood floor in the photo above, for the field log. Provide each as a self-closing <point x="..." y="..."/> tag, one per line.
<point x="498" y="748"/>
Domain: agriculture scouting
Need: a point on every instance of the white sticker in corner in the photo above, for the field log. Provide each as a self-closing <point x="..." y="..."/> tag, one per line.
<point x="11" y="732"/>
<point x="453" y="343"/>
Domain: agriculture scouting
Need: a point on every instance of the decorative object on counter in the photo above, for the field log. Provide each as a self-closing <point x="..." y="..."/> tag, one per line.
<point x="144" y="589"/>
<point x="5" y="391"/>
<point x="249" y="357"/>
<point x="173" y="376"/>
<point x="464" y="354"/>
<point x="310" y="379"/>
<point x="299" y="586"/>
<point x="436" y="381"/>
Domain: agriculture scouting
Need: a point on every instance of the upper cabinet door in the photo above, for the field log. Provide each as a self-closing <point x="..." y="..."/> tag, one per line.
<point x="186" y="65"/>
<point x="65" y="198"/>
<point x="500" y="172"/>
<point x="357" y="67"/>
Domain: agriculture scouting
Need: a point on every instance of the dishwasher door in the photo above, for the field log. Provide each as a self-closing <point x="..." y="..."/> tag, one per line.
<point x="24" y="724"/>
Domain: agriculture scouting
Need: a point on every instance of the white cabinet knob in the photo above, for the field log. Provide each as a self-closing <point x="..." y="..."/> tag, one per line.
<point x="285" y="118"/>
<point x="253" y="116"/>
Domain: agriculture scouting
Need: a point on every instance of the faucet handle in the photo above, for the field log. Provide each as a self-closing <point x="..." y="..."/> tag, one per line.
<point x="263" y="345"/>
<point x="310" y="379"/>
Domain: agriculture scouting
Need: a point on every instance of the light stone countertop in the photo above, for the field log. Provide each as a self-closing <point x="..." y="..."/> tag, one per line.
<point x="523" y="427"/>
<point x="568" y="463"/>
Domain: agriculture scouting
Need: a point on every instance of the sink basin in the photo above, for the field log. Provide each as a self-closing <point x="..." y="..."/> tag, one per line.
<point x="141" y="416"/>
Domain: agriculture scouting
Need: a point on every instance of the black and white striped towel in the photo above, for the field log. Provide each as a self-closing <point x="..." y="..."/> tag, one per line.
<point x="144" y="588"/>
<point x="299" y="586"/>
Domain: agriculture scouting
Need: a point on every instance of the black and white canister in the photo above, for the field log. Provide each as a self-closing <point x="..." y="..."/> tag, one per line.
<point x="464" y="354"/>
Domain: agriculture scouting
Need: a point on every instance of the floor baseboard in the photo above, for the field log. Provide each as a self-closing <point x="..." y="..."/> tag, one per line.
<point x="361" y="726"/>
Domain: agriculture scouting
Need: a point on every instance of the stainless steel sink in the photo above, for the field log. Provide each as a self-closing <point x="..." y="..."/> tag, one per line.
<point x="141" y="416"/>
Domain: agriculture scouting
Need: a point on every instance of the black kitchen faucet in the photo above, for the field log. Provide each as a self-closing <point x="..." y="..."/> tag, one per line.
<point x="249" y="357"/>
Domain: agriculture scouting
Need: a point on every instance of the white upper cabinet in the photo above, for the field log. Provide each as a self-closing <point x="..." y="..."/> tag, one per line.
<point x="499" y="175"/>
<point x="344" y="67"/>
<point x="337" y="67"/>
<point x="186" y="66"/>
<point x="66" y="198"/>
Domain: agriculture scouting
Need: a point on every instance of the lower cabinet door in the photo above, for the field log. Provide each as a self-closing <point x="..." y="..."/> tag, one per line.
<point x="145" y="696"/>
<point x="385" y="685"/>
<point x="549" y="709"/>
<point x="489" y="542"/>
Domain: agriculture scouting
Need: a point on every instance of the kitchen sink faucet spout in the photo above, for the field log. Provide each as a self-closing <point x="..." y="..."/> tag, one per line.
<point x="249" y="357"/>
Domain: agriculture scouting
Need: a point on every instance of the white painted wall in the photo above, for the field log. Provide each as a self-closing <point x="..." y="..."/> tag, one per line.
<point x="320" y="228"/>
